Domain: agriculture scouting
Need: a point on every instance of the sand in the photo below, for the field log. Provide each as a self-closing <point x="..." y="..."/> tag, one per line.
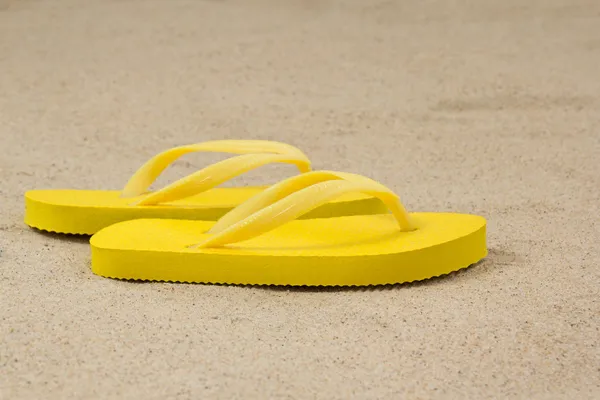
<point x="484" y="107"/>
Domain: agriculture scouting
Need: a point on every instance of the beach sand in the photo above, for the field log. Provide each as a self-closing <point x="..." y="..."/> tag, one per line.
<point x="482" y="107"/>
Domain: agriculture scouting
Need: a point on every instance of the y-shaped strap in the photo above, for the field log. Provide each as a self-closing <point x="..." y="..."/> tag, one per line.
<point x="301" y="202"/>
<point x="284" y="188"/>
<point x="215" y="174"/>
<point x="143" y="177"/>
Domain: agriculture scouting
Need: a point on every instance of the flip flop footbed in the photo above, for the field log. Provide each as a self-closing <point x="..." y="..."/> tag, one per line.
<point x="350" y="250"/>
<point x="88" y="211"/>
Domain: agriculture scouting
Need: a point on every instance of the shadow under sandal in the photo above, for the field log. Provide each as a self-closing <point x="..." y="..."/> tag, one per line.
<point x="261" y="242"/>
<point x="194" y="197"/>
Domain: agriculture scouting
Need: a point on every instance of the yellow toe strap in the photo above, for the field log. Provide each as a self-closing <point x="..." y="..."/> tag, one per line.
<point x="284" y="188"/>
<point x="215" y="174"/>
<point x="291" y="206"/>
<point x="147" y="173"/>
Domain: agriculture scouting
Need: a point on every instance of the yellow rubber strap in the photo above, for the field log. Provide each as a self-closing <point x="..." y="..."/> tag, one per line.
<point x="147" y="173"/>
<point x="299" y="203"/>
<point x="215" y="174"/>
<point x="282" y="189"/>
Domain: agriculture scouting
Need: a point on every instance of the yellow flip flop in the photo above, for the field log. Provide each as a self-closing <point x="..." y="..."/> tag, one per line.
<point x="260" y="242"/>
<point x="194" y="197"/>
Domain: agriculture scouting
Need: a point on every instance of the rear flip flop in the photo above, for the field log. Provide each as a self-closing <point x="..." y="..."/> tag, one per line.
<point x="194" y="197"/>
<point x="260" y="242"/>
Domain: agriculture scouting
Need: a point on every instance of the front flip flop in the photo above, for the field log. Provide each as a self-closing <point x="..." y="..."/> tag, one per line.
<point x="260" y="242"/>
<point x="194" y="197"/>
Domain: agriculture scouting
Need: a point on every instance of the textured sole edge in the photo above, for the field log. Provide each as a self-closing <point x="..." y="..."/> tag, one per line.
<point x="297" y="286"/>
<point x="45" y="230"/>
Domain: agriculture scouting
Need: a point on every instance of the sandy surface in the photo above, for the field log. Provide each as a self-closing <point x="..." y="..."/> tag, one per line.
<point x="489" y="107"/>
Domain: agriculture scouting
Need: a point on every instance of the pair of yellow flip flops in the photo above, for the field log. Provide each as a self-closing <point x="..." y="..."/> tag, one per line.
<point x="315" y="228"/>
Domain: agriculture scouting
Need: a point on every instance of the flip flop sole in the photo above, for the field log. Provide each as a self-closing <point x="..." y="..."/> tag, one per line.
<point x="87" y="211"/>
<point x="340" y="251"/>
